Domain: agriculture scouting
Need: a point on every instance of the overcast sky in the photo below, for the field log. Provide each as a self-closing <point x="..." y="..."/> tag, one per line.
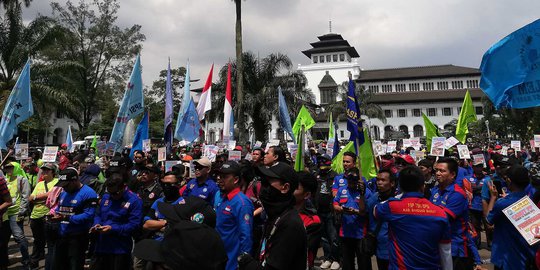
<point x="386" y="34"/>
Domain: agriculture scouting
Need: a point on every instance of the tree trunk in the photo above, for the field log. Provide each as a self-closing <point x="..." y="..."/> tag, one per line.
<point x="239" y="74"/>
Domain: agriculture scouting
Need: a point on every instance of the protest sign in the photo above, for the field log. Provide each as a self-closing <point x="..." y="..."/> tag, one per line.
<point x="21" y="151"/>
<point x="235" y="155"/>
<point x="406" y="143"/>
<point x="170" y="163"/>
<point x="232" y="145"/>
<point x="391" y="146"/>
<point x="415" y="142"/>
<point x="293" y="150"/>
<point x="504" y="150"/>
<point x="248" y="157"/>
<point x="378" y="148"/>
<point x="109" y="149"/>
<point x="525" y="216"/>
<point x="258" y="144"/>
<point x="162" y="154"/>
<point x="146" y="145"/>
<point x="437" y="146"/>
<point x="536" y="140"/>
<point x="210" y="151"/>
<point x="101" y="148"/>
<point x="463" y="152"/>
<point x="330" y="147"/>
<point x="420" y="155"/>
<point x="384" y="149"/>
<point x="479" y="159"/>
<point x="516" y="145"/>
<point x="531" y="142"/>
<point x="49" y="153"/>
<point x="450" y="142"/>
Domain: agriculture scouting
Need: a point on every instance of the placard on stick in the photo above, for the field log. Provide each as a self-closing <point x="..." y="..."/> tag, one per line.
<point x="463" y="151"/>
<point x="162" y="154"/>
<point x="49" y="153"/>
<point x="235" y="155"/>
<point x="437" y="146"/>
<point x="21" y="151"/>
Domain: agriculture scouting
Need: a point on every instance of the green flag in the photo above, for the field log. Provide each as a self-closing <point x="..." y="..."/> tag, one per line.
<point x="431" y="131"/>
<point x="299" y="161"/>
<point x="94" y="145"/>
<point x="331" y="128"/>
<point x="303" y="119"/>
<point x="466" y="115"/>
<point x="369" y="170"/>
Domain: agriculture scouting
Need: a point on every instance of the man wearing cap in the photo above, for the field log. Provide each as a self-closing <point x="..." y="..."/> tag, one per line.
<point x="284" y="244"/>
<point x="234" y="214"/>
<point x="75" y="211"/>
<point x="117" y="219"/>
<point x="149" y="189"/>
<point x="19" y="189"/>
<point x="202" y="186"/>
<point x="40" y="210"/>
<point x="31" y="170"/>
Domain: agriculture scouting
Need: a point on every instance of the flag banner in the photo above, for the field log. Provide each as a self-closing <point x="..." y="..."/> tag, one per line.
<point x="463" y="151"/>
<point x="21" y="151"/>
<point x="94" y="145"/>
<point x="510" y="76"/>
<point x="227" y="109"/>
<point x="284" y="118"/>
<point x="450" y="142"/>
<point x="336" y="142"/>
<point x="187" y="90"/>
<point x="18" y="107"/>
<point x="189" y="126"/>
<point x="205" y="101"/>
<point x="354" y="122"/>
<point x="331" y="129"/>
<point x="516" y="145"/>
<point x="69" y="140"/>
<point x="49" y="153"/>
<point x="299" y="160"/>
<point x="140" y="135"/>
<point x="132" y="105"/>
<point x="466" y="115"/>
<point x="437" y="146"/>
<point x="303" y="119"/>
<point x="431" y="131"/>
<point x="367" y="161"/>
<point x="169" y="114"/>
<point x="337" y="162"/>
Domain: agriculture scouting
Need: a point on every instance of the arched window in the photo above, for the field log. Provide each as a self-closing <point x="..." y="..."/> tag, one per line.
<point x="404" y="129"/>
<point x="376" y="133"/>
<point x="388" y="131"/>
<point x="418" y="131"/>
<point x="57" y="136"/>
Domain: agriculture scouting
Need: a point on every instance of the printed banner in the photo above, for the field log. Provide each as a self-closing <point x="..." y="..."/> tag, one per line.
<point x="437" y="146"/>
<point x="49" y="153"/>
<point x="21" y="151"/>
<point x="463" y="152"/>
<point x="525" y="216"/>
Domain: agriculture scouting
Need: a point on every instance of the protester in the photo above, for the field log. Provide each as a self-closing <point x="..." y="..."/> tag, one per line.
<point x="426" y="166"/>
<point x="273" y="155"/>
<point x="40" y="210"/>
<point x="234" y="214"/>
<point x="117" y="219"/>
<point x="5" y="203"/>
<point x="284" y="244"/>
<point x="75" y="211"/>
<point x="149" y="189"/>
<point x="257" y="156"/>
<point x="349" y="162"/>
<point x="202" y="185"/>
<point x="418" y="230"/>
<point x="477" y="180"/>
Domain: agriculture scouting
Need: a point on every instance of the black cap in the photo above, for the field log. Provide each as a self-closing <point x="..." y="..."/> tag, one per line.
<point x="66" y="176"/>
<point x="230" y="167"/>
<point x="117" y="164"/>
<point x="151" y="167"/>
<point x="114" y="183"/>
<point x="281" y="171"/>
<point x="189" y="208"/>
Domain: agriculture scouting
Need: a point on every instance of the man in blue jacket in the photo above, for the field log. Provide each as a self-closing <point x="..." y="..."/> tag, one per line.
<point x="75" y="212"/>
<point x="117" y="218"/>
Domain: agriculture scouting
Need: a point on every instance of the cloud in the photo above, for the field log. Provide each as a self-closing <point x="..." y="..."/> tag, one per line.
<point x="388" y="33"/>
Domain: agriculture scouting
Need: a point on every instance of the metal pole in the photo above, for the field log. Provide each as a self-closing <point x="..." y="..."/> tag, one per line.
<point x="489" y="133"/>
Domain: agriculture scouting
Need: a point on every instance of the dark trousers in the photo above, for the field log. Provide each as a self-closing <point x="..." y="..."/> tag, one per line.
<point x="69" y="252"/>
<point x="111" y="262"/>
<point x="382" y="264"/>
<point x="329" y="238"/>
<point x="51" y="236"/>
<point x="351" y="250"/>
<point x="463" y="263"/>
<point x="38" y="232"/>
<point x="476" y="220"/>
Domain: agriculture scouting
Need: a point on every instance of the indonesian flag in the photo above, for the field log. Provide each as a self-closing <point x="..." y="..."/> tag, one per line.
<point x="227" y="109"/>
<point x="205" y="102"/>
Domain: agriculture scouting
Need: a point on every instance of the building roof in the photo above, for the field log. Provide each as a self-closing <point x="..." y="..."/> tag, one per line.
<point x="327" y="81"/>
<point x="410" y="73"/>
<point x="426" y="96"/>
<point x="331" y="43"/>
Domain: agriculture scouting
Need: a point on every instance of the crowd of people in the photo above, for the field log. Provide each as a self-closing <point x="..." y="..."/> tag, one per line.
<point x="130" y="212"/>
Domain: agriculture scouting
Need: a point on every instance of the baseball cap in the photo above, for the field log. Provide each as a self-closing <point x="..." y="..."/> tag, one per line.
<point x="498" y="147"/>
<point x="66" y="176"/>
<point x="205" y="162"/>
<point x="189" y="208"/>
<point x="230" y="167"/>
<point x="116" y="164"/>
<point x="238" y="148"/>
<point x="407" y="158"/>
<point x="281" y="171"/>
<point x="49" y="166"/>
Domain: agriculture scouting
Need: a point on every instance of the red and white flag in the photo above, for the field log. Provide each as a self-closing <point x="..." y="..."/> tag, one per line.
<point x="227" y="109"/>
<point x="205" y="102"/>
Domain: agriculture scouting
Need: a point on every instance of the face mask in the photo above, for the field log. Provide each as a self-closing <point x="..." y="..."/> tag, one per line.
<point x="274" y="202"/>
<point x="171" y="192"/>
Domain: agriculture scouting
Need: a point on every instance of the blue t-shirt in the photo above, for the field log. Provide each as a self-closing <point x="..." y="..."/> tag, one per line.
<point x="124" y="217"/>
<point x="79" y="207"/>
<point x="234" y="222"/>
<point x="154" y="214"/>
<point x="509" y="249"/>
<point x="416" y="227"/>
<point x="352" y="226"/>
<point x="382" y="236"/>
<point x="463" y="173"/>
<point x="454" y="202"/>
<point x="206" y="191"/>
<point x="477" y="186"/>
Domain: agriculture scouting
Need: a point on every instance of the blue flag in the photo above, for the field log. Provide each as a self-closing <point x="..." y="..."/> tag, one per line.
<point x="511" y="69"/>
<point x="284" y="117"/>
<point x="185" y="104"/>
<point x="69" y="140"/>
<point x="140" y="135"/>
<point x="18" y="107"/>
<point x="354" y="123"/>
<point x="168" y="136"/>
<point x="131" y="106"/>
<point x="189" y="126"/>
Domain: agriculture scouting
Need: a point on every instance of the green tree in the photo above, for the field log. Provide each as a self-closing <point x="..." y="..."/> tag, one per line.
<point x="240" y="67"/>
<point x="104" y="51"/>
<point x="262" y="78"/>
<point x="8" y="3"/>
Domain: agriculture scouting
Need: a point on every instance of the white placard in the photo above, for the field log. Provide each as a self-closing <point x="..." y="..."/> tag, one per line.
<point x="463" y="151"/>
<point x="391" y="146"/>
<point x="146" y="145"/>
<point x="378" y="148"/>
<point x="516" y="145"/>
<point x="232" y="144"/>
<point x="258" y="144"/>
<point x="235" y="155"/>
<point x="536" y="140"/>
<point x="504" y="150"/>
<point x="406" y="143"/>
<point x="162" y="154"/>
<point x="384" y="149"/>
<point x="49" y="153"/>
<point x="478" y="159"/>
<point x="330" y="147"/>
<point x="450" y="142"/>
<point x="531" y="142"/>
<point x="415" y="142"/>
<point x="525" y="216"/>
<point x="21" y="151"/>
<point x="293" y="149"/>
<point x="437" y="146"/>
